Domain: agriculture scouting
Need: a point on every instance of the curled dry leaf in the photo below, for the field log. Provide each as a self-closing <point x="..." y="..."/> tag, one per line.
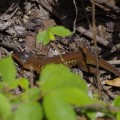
<point x="114" y="82"/>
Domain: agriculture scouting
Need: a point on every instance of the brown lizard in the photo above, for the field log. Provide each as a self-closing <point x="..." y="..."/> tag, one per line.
<point x="84" y="59"/>
<point x="91" y="60"/>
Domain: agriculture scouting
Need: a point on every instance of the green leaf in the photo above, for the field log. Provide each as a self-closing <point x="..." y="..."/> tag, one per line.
<point x="47" y="35"/>
<point x="116" y="101"/>
<point x="23" y="82"/>
<point x="57" y="109"/>
<point x="75" y="96"/>
<point x="32" y="94"/>
<point x="43" y="37"/>
<point x="60" y="31"/>
<point x="56" y="76"/>
<point x="2" y="85"/>
<point x="5" y="107"/>
<point x="118" y="116"/>
<point x="29" y="111"/>
<point x="7" y="70"/>
<point x="51" y="36"/>
<point x="91" y="115"/>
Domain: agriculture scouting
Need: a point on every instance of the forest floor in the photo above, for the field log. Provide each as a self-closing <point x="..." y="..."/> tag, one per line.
<point x="21" y="20"/>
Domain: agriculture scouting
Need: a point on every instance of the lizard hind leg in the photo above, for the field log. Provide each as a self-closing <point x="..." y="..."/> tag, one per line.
<point x="86" y="68"/>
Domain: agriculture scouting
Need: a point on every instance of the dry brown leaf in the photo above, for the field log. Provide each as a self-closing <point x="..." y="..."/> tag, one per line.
<point x="114" y="82"/>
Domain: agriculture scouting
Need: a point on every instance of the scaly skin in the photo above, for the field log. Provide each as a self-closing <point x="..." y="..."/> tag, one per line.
<point x="84" y="59"/>
<point x="90" y="59"/>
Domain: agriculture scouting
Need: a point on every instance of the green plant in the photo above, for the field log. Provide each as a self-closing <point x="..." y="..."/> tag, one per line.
<point x="58" y="91"/>
<point x="49" y="35"/>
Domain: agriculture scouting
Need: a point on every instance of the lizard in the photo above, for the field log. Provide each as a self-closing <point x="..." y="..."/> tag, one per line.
<point x="84" y="59"/>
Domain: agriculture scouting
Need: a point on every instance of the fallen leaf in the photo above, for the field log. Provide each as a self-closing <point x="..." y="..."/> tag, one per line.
<point x="30" y="42"/>
<point x="114" y="82"/>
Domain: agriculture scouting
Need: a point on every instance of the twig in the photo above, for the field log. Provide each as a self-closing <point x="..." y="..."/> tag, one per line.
<point x="76" y="14"/>
<point x="49" y="8"/>
<point x="10" y="46"/>
<point x="32" y="78"/>
<point x="89" y="34"/>
<point x="114" y="49"/>
<point x="86" y="15"/>
<point x="101" y="108"/>
<point x="114" y="62"/>
<point x="108" y="92"/>
<point x="14" y="6"/>
<point x="109" y="5"/>
<point x="79" y="29"/>
<point x="58" y="53"/>
<point x="95" y="45"/>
